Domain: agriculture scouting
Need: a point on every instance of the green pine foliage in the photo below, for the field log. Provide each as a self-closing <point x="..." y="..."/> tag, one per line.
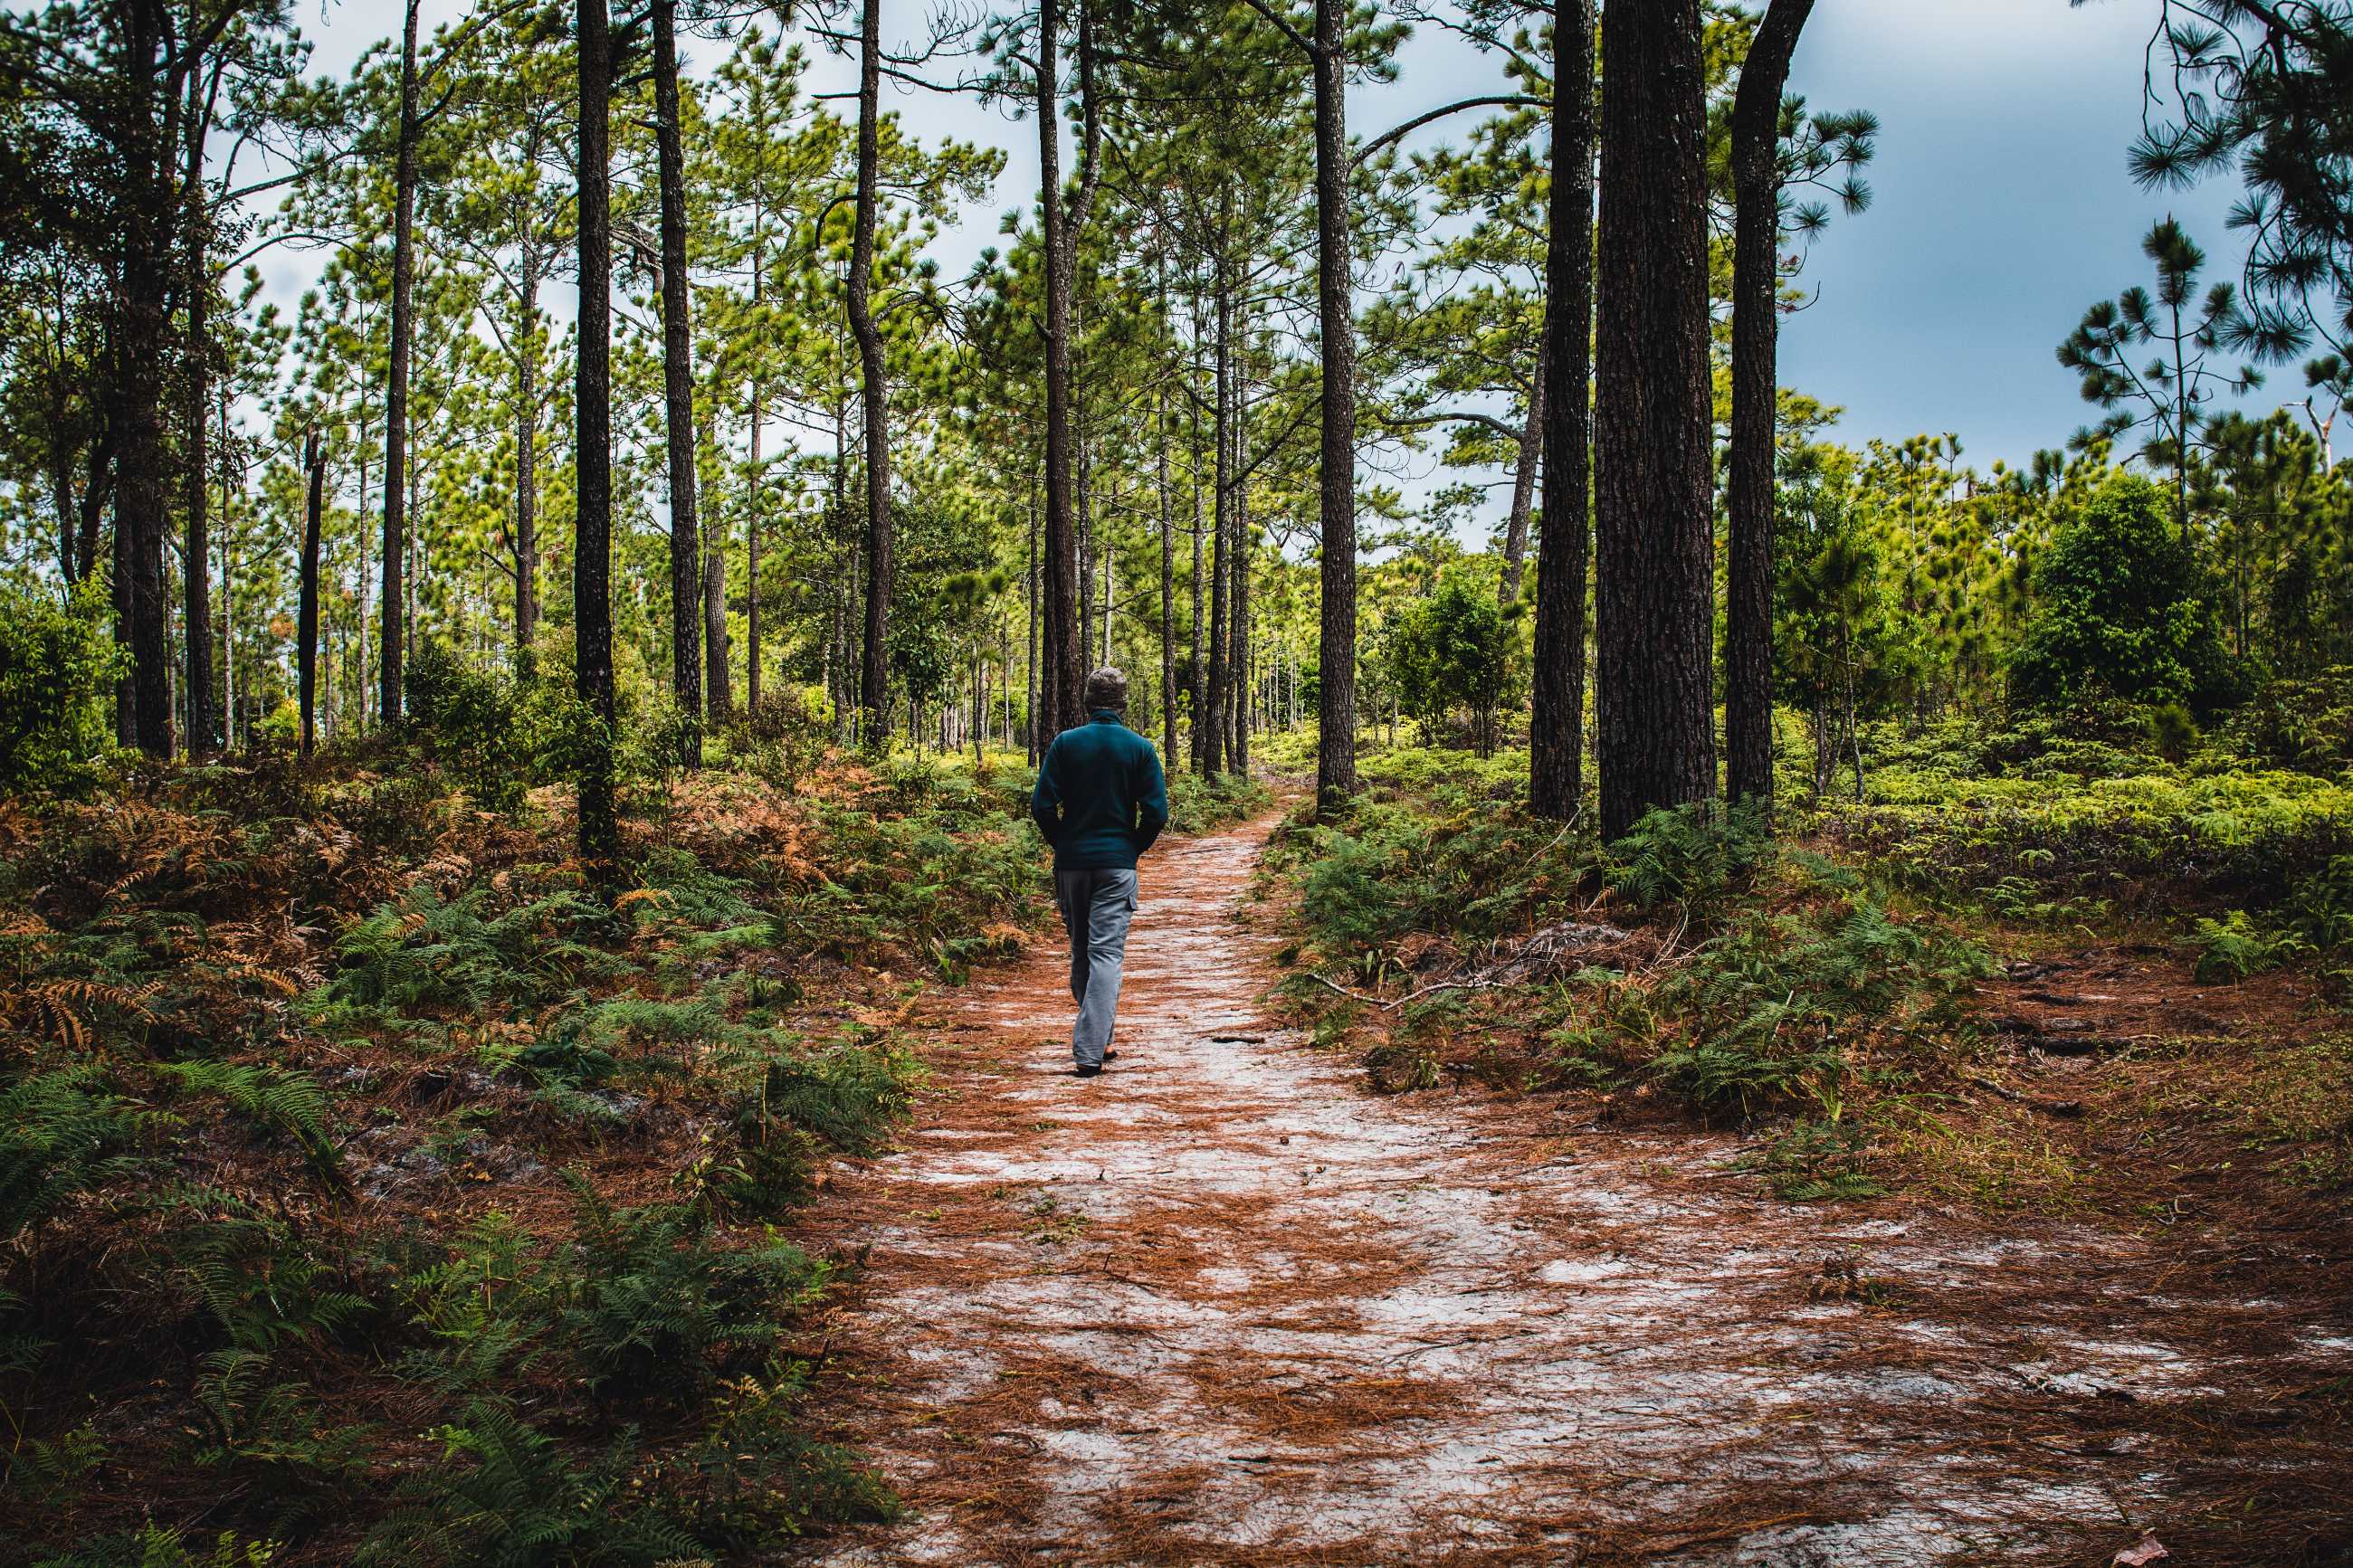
<point x="2121" y="610"/>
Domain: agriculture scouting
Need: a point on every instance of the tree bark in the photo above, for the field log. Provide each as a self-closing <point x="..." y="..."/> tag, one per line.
<point x="143" y="709"/>
<point x="306" y="621"/>
<point x="1335" y="750"/>
<point x="526" y="538"/>
<point x="1237" y="704"/>
<point x="754" y="499"/>
<point x="718" y="680"/>
<point x="1060" y="687"/>
<point x="592" y="608"/>
<point x="874" y="670"/>
<point x="686" y="598"/>
<point x="1197" y="667"/>
<point x="1167" y="560"/>
<point x="196" y="587"/>
<point x="389" y="666"/>
<point x="1755" y="327"/>
<point x="1033" y="721"/>
<point x="1211" y="719"/>
<point x="1654" y="419"/>
<point x="1524" y="483"/>
<point x="1556" y="724"/>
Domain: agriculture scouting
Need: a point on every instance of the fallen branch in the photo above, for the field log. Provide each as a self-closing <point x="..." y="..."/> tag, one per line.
<point x="2048" y="1107"/>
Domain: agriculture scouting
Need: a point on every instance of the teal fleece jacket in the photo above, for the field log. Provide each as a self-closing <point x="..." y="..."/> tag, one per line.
<point x="1101" y="798"/>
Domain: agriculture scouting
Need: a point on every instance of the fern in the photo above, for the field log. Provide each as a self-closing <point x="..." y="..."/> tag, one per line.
<point x="262" y="1286"/>
<point x="506" y="1497"/>
<point x="481" y="1307"/>
<point x="153" y="1546"/>
<point x="1695" y="855"/>
<point x="62" y="1132"/>
<point x="1770" y="1009"/>
<point x="648" y="1306"/>
<point x="281" y="1100"/>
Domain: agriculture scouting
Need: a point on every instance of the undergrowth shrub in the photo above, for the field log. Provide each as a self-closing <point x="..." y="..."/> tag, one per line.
<point x="57" y="662"/>
<point x="648" y="1306"/>
<point x="1196" y="805"/>
<point x="1466" y="869"/>
<point x="756" y="1477"/>
<point x="63" y="1132"/>
<point x="1814" y="1162"/>
<point x="1771" y="1012"/>
<point x="1697" y="856"/>
<point x="219" y="984"/>
<point x="505" y="1496"/>
<point x="153" y="1546"/>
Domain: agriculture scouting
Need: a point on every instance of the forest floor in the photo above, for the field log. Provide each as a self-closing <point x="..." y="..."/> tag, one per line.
<point x="1224" y="1305"/>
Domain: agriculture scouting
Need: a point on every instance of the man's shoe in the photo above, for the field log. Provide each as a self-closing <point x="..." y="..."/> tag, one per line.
<point x="1086" y="1072"/>
<point x="1110" y="1056"/>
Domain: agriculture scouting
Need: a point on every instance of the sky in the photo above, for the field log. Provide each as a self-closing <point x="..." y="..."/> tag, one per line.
<point x="2001" y="210"/>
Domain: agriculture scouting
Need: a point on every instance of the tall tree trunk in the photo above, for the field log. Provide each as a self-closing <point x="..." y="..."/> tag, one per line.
<point x="756" y="498"/>
<point x="718" y="680"/>
<point x="1756" y="326"/>
<point x="1034" y="720"/>
<point x="1653" y="418"/>
<point x="1059" y="685"/>
<point x="592" y="604"/>
<point x="1524" y="482"/>
<point x="395" y="398"/>
<point x="874" y="670"/>
<point x="143" y="709"/>
<point x="196" y="589"/>
<point x="1197" y="678"/>
<point x="1557" y="726"/>
<point x="1212" y="717"/>
<point x="678" y="393"/>
<point x="1237" y="703"/>
<point x="1335" y="747"/>
<point x="751" y="504"/>
<point x="306" y="620"/>
<point x="1167" y="562"/>
<point x="526" y="535"/>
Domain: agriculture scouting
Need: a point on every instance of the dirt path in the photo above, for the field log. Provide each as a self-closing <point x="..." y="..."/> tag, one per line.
<point x="1221" y="1306"/>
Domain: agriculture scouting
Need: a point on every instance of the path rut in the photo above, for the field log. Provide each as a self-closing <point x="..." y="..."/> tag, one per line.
<point x="1221" y="1305"/>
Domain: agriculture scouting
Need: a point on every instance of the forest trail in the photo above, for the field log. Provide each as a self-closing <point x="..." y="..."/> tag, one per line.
<point x="1222" y="1305"/>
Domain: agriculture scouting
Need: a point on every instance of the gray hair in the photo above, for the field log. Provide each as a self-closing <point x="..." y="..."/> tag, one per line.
<point x="1107" y="688"/>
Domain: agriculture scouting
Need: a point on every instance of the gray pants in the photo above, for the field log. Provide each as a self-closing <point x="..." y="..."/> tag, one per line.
<point x="1096" y="906"/>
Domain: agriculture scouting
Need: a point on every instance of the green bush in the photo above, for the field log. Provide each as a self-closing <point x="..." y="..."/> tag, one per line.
<point x="2304" y="724"/>
<point x="2120" y="610"/>
<point x="466" y="716"/>
<point x="1472" y="870"/>
<point x="1452" y="651"/>
<point x="57" y="666"/>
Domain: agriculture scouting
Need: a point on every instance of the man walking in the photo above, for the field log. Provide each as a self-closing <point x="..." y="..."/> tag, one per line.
<point x="1101" y="801"/>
